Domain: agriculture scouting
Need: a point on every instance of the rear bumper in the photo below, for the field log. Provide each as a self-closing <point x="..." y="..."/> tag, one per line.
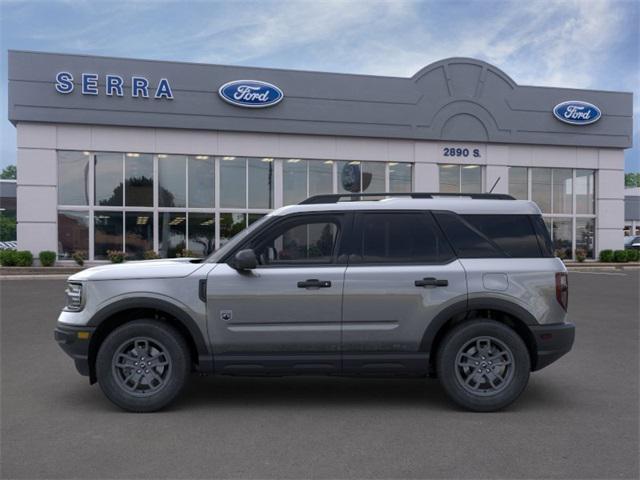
<point x="552" y="342"/>
<point x="77" y="347"/>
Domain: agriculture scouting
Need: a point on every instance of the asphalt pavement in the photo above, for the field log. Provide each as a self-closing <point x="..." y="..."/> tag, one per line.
<point x="578" y="418"/>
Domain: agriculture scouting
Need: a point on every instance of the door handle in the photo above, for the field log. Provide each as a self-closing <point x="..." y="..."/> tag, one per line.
<point x="431" y="282"/>
<point x="314" y="283"/>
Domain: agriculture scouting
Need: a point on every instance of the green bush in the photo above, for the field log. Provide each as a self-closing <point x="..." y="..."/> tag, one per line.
<point x="116" y="256"/>
<point x="47" y="258"/>
<point x="633" y="255"/>
<point x="606" y="256"/>
<point x="79" y="256"/>
<point x="581" y="254"/>
<point x="620" y="256"/>
<point x="8" y="258"/>
<point x="151" y="255"/>
<point x="24" y="258"/>
<point x="186" y="253"/>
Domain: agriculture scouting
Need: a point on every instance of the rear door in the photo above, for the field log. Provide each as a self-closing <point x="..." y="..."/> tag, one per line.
<point x="402" y="272"/>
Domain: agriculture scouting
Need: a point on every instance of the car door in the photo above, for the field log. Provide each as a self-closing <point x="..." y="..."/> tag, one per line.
<point x="402" y="272"/>
<point x="286" y="313"/>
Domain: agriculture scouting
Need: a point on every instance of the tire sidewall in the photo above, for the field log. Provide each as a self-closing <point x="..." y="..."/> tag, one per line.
<point x="446" y="364"/>
<point x="176" y="349"/>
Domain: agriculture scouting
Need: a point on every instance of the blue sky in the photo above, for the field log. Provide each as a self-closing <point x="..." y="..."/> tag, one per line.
<point x="567" y="43"/>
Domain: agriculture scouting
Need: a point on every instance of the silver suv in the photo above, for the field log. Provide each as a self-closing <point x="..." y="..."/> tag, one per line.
<point x="465" y="288"/>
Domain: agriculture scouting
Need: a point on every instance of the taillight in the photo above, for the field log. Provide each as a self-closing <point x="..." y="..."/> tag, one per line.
<point x="562" y="289"/>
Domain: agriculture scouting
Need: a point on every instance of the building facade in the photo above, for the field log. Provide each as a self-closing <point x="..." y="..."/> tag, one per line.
<point x="138" y="155"/>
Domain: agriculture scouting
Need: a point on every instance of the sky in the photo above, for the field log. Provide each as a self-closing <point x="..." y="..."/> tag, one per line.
<point x="562" y="43"/>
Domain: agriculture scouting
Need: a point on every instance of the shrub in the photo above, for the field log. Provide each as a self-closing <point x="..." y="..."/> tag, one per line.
<point x="24" y="258"/>
<point x="47" y="258"/>
<point x="8" y="258"/>
<point x="151" y="255"/>
<point x="116" y="256"/>
<point x="606" y="256"/>
<point x="581" y="254"/>
<point x="633" y="255"/>
<point x="79" y="256"/>
<point x="620" y="256"/>
<point x="186" y="253"/>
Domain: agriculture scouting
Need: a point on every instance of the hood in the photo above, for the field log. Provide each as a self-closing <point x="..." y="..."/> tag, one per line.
<point x="165" y="268"/>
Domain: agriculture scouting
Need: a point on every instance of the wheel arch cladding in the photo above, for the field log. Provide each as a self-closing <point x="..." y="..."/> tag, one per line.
<point x="118" y="313"/>
<point x="502" y="311"/>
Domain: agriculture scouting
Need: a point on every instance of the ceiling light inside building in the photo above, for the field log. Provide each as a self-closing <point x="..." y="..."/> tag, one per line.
<point x="267" y="159"/>
<point x="202" y="157"/>
<point x="471" y="166"/>
<point x="162" y="155"/>
<point x="133" y="155"/>
<point x="142" y="220"/>
<point x="177" y="221"/>
<point x="293" y="160"/>
<point x="228" y="158"/>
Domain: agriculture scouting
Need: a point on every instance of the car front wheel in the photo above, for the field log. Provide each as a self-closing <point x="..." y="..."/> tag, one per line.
<point x="143" y="365"/>
<point x="483" y="365"/>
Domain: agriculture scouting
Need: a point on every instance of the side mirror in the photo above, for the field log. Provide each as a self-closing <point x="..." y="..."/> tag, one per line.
<point x="245" y="260"/>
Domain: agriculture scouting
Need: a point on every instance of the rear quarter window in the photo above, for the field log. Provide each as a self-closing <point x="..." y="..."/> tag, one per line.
<point x="515" y="235"/>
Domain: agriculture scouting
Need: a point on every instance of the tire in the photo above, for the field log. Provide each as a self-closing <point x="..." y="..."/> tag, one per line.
<point x="143" y="365"/>
<point x="483" y="365"/>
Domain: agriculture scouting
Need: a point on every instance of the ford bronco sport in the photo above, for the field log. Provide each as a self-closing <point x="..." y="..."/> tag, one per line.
<point x="462" y="287"/>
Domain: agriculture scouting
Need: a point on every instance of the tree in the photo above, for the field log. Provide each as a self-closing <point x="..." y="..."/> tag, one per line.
<point x="632" y="179"/>
<point x="9" y="172"/>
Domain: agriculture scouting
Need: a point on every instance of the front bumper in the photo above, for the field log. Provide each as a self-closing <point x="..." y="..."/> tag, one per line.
<point x="75" y="343"/>
<point x="552" y="342"/>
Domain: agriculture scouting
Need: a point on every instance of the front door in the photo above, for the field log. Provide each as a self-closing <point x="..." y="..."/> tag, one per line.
<point x="401" y="274"/>
<point x="285" y="315"/>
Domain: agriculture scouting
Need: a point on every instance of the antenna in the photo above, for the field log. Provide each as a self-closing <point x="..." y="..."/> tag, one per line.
<point x="494" y="185"/>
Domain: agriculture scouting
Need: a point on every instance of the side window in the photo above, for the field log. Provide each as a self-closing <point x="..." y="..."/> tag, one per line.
<point x="467" y="240"/>
<point x="514" y="234"/>
<point x="399" y="238"/>
<point x="544" y="239"/>
<point x="308" y="241"/>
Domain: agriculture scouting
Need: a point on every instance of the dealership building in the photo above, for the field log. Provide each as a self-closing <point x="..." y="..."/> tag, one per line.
<point x="139" y="155"/>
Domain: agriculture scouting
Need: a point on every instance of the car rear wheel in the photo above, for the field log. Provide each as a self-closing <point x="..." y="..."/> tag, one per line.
<point x="483" y="365"/>
<point x="143" y="365"/>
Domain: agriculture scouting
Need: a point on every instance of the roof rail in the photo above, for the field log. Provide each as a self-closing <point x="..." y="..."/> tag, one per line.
<point x="355" y="197"/>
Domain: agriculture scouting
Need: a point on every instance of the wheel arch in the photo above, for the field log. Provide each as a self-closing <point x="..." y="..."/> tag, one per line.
<point x="503" y="311"/>
<point x="123" y="311"/>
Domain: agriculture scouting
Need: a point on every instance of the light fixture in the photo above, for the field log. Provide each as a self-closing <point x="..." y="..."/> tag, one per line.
<point x="177" y="220"/>
<point x="471" y="166"/>
<point x="86" y="153"/>
<point x="328" y="162"/>
<point x="133" y="154"/>
<point x="142" y="220"/>
<point x="207" y="222"/>
<point x="293" y="160"/>
<point x="228" y="158"/>
<point x="267" y="159"/>
<point x="393" y="164"/>
<point x="202" y="157"/>
<point x="162" y="155"/>
<point x="355" y="162"/>
<point x="448" y="166"/>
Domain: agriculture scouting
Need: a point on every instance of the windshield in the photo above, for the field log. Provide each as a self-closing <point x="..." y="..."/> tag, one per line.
<point x="235" y="240"/>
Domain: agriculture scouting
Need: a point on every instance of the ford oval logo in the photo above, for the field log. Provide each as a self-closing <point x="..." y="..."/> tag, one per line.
<point x="250" y="93"/>
<point x="576" y="112"/>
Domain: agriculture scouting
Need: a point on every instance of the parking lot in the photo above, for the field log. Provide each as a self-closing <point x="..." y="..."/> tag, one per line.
<point x="578" y="418"/>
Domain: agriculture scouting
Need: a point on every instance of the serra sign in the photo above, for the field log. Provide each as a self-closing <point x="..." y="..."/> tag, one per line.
<point x="113" y="85"/>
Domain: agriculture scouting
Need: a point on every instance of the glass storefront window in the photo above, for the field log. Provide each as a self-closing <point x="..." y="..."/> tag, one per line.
<point x="541" y="188"/>
<point x="400" y="177"/>
<point x="449" y="178"/>
<point x="260" y="182"/>
<point x="108" y="179"/>
<point x="172" y="180"/>
<point x="585" y="235"/>
<point x="320" y="177"/>
<point x="562" y="190"/>
<point x="585" y="191"/>
<point x="518" y="183"/>
<point x="202" y="233"/>
<point x="471" y="179"/>
<point x="201" y="181"/>
<point x="294" y="181"/>
<point x="138" y="234"/>
<point x="562" y="236"/>
<point x="73" y="233"/>
<point x="107" y="233"/>
<point x="172" y="233"/>
<point x="73" y="178"/>
<point x="230" y="225"/>
<point x="373" y="176"/>
<point x="233" y="182"/>
<point x="138" y="174"/>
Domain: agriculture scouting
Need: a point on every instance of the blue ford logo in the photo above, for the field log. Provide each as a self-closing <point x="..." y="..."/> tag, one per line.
<point x="250" y="93"/>
<point x="576" y="112"/>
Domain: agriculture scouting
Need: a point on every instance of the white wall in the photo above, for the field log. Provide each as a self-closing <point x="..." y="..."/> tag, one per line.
<point x="37" y="175"/>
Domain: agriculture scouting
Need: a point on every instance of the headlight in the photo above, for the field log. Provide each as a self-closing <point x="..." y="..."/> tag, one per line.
<point x="74" y="297"/>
